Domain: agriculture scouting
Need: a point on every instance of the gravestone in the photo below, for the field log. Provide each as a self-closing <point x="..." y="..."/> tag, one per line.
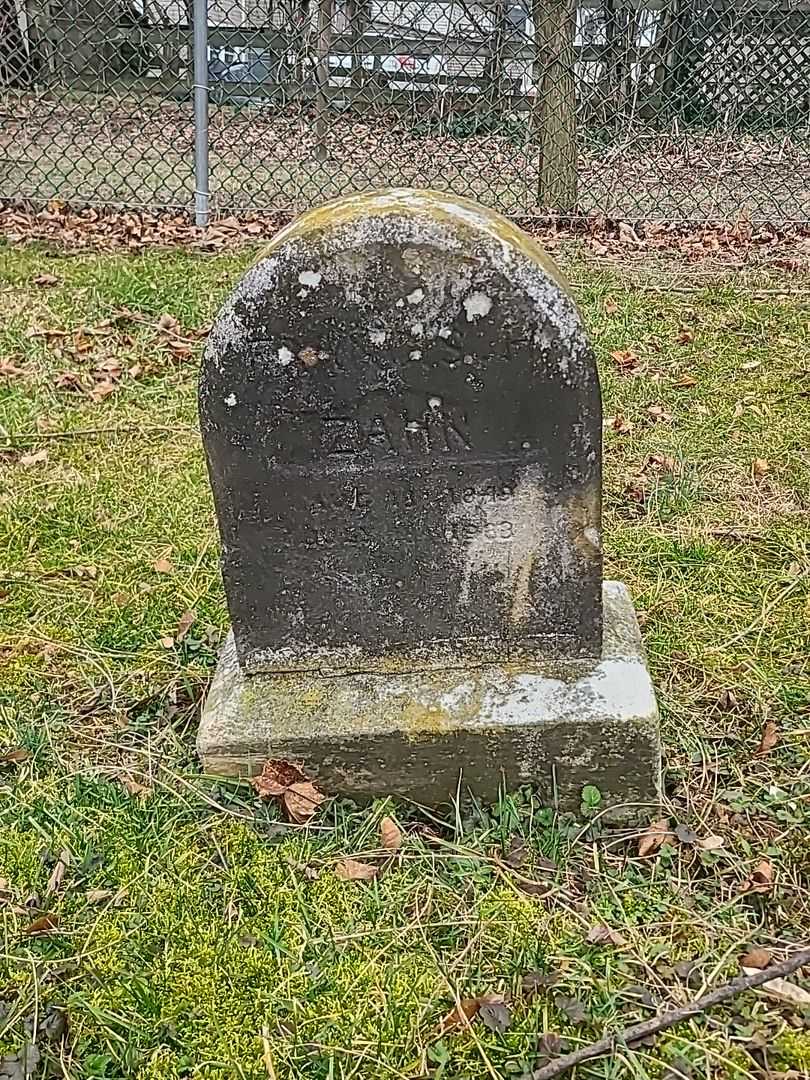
<point x="402" y="419"/>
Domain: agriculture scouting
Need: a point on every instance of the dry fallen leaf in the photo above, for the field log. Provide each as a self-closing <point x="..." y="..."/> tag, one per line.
<point x="98" y="896"/>
<point x="354" y="870"/>
<point x="782" y="990"/>
<point x="16" y="756"/>
<point x="465" y="1011"/>
<point x="620" y="424"/>
<point x="652" y="839"/>
<point x="184" y="624"/>
<point x="43" y="925"/>
<point x="660" y="463"/>
<point x="275" y="778"/>
<point x="625" y="360"/>
<point x="760" y="467"/>
<point x="168" y="324"/>
<point x="710" y="843"/>
<point x="756" y="958"/>
<point x="750" y="365"/>
<point x="685" y="336"/>
<point x="43" y="280"/>
<point x="9" y="370"/>
<point x="59" y="871"/>
<point x="390" y="834"/>
<point x="163" y="566"/>
<point x="604" y="935"/>
<point x="761" y="879"/>
<point x="658" y="412"/>
<point x="135" y="787"/>
<point x="770" y="737"/>
<point x="37" y="458"/>
<point x="685" y="381"/>
<point x="628" y="235"/>
<point x="301" y="801"/>
<point x="283" y="780"/>
<point x="610" y="306"/>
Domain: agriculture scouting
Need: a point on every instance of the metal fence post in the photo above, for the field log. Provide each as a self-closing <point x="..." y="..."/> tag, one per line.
<point x="201" y="174"/>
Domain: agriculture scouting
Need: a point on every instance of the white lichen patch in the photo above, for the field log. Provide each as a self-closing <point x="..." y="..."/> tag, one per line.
<point x="377" y="337"/>
<point x="415" y="354"/>
<point x="416" y="297"/>
<point x="503" y="537"/>
<point x="417" y="330"/>
<point x="592" y="536"/>
<point x="476" y="305"/>
<point x="310" y="278"/>
<point x="285" y="356"/>
<point x="230" y="400"/>
<point x="445" y="332"/>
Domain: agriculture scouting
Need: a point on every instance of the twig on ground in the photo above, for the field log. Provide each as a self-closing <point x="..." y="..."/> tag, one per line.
<point x="637" y="1032"/>
<point x="267" y="1053"/>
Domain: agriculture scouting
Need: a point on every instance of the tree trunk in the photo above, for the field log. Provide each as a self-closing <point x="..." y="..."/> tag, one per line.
<point x="493" y="76"/>
<point x="16" y="68"/>
<point x="556" y="104"/>
<point x="322" y="44"/>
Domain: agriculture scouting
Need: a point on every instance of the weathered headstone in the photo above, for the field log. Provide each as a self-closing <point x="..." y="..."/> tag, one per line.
<point x="402" y="419"/>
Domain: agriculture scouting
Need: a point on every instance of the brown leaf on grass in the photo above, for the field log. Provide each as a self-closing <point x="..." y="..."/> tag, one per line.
<point x="135" y="787"/>
<point x="69" y="380"/>
<point x="654" y="836"/>
<point x="781" y="990"/>
<point x="168" y="324"/>
<point x="59" y="871"/>
<point x="9" y="370"/>
<point x="301" y="801"/>
<point x="102" y="389"/>
<point x="163" y="566"/>
<point x="610" y="306"/>
<point x="760" y="467"/>
<point x="660" y="463"/>
<point x="625" y="360"/>
<point x="604" y="935"/>
<point x="355" y="870"/>
<point x="465" y="1011"/>
<point x="283" y="780"/>
<point x="770" y="737"/>
<point x="184" y="624"/>
<point x="756" y="958"/>
<point x="750" y="365"/>
<point x="683" y="382"/>
<point x="99" y="896"/>
<point x="659" y="414"/>
<point x="619" y="423"/>
<point x="275" y="778"/>
<point x="18" y="755"/>
<point x="45" y="280"/>
<point x="167" y="642"/>
<point x="43" y="925"/>
<point x="760" y="880"/>
<point x="535" y="981"/>
<point x="390" y="834"/>
<point x="37" y="458"/>
<point x="710" y="843"/>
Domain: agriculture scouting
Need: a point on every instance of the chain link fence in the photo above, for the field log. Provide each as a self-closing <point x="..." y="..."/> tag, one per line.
<point x="653" y="110"/>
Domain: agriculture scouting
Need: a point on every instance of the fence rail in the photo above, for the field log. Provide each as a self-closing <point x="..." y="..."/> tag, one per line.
<point x="674" y="110"/>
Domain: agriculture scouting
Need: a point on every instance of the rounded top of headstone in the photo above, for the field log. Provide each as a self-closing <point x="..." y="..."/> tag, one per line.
<point x="339" y="243"/>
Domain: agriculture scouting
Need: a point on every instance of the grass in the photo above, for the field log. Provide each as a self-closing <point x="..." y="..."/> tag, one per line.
<point x="189" y="919"/>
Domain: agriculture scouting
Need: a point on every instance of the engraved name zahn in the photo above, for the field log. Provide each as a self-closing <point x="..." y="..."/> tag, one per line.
<point x="437" y="430"/>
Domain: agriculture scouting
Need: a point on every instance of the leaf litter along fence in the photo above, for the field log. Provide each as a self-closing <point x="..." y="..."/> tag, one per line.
<point x="652" y="110"/>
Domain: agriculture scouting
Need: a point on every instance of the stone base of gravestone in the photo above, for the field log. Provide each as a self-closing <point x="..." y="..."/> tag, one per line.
<point x="558" y="724"/>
